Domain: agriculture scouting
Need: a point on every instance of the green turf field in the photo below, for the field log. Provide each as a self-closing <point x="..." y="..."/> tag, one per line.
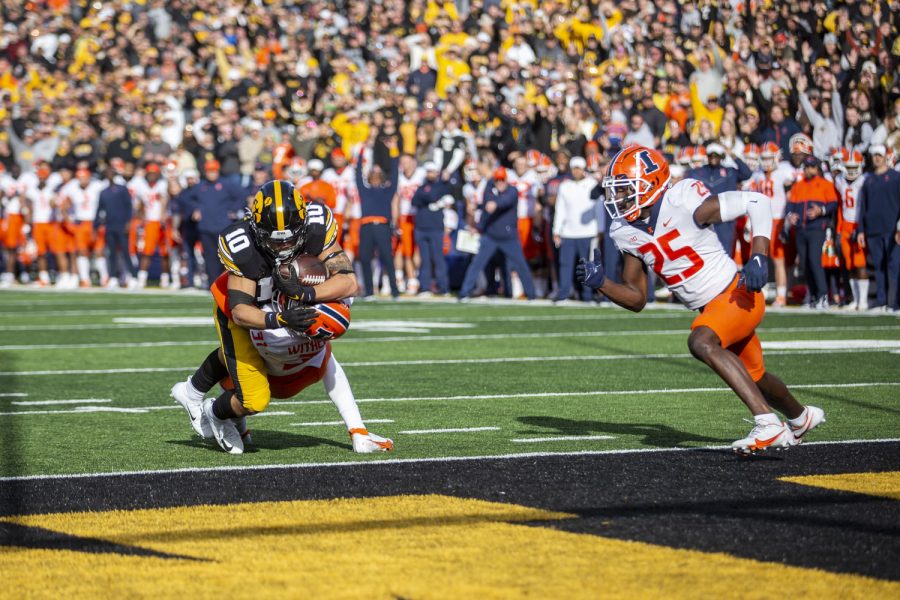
<point x="85" y="379"/>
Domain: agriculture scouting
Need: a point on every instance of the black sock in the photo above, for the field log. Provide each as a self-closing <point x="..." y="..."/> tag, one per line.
<point x="211" y="372"/>
<point x="222" y="406"/>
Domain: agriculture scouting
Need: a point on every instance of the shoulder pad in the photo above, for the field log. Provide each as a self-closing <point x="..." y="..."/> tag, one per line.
<point x="239" y="254"/>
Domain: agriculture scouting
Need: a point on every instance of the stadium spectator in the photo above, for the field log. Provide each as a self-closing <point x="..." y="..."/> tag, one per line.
<point x="719" y="178"/>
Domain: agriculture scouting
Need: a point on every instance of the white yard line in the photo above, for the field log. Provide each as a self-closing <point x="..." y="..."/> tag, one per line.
<point x="400" y="461"/>
<point x="13" y="395"/>
<point x="588" y="393"/>
<point x="434" y="338"/>
<point x="75" y="401"/>
<point x="451" y="430"/>
<point x="274" y="413"/>
<point x="563" y="438"/>
<point x="331" y="423"/>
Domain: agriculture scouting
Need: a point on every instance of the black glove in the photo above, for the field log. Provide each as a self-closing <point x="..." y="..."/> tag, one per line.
<point x="294" y="289"/>
<point x="755" y="273"/>
<point x="299" y="319"/>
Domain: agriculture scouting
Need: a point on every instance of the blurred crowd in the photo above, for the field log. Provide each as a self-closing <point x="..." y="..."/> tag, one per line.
<point x="131" y="132"/>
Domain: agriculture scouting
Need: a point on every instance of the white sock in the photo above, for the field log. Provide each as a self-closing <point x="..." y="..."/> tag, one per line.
<point x="44" y="277"/>
<point x="102" y="269"/>
<point x="854" y="289"/>
<point x="195" y="394"/>
<point x="799" y="420"/>
<point x="863" y="293"/>
<point x="767" y="419"/>
<point x="781" y="291"/>
<point x="142" y="278"/>
<point x="338" y="388"/>
<point x="84" y="268"/>
<point x="163" y="280"/>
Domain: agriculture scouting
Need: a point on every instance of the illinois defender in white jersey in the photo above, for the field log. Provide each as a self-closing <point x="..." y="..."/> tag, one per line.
<point x="667" y="229"/>
<point x="39" y="192"/>
<point x="528" y="184"/>
<point x="151" y="197"/>
<point x="82" y="196"/>
<point x="409" y="177"/>
<point x="774" y="179"/>
<point x="11" y="222"/>
<point x="849" y="181"/>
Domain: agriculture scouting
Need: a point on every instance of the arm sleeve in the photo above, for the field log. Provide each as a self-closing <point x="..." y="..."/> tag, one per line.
<point x="756" y="206"/>
<point x="861" y="209"/>
<point x="814" y="117"/>
<point x="559" y="214"/>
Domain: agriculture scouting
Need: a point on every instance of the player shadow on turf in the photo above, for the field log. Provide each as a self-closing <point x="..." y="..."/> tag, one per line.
<point x="653" y="434"/>
<point x="269" y="440"/>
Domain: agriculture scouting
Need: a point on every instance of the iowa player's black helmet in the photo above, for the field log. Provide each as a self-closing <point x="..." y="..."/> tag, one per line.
<point x="278" y="219"/>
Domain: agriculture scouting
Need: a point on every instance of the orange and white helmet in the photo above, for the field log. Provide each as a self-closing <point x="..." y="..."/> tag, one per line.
<point x="332" y="318"/>
<point x="699" y="158"/>
<point x="533" y="158"/>
<point x="296" y="169"/>
<point x="593" y="163"/>
<point x="800" y="144"/>
<point x="636" y="178"/>
<point x="684" y="156"/>
<point x="836" y="160"/>
<point x="852" y="161"/>
<point x="751" y="156"/>
<point x="769" y="156"/>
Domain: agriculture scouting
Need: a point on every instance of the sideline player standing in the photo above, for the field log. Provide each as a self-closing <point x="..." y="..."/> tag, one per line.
<point x="667" y="229"/>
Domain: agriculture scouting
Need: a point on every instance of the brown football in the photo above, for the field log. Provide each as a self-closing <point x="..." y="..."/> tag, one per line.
<point x="306" y="268"/>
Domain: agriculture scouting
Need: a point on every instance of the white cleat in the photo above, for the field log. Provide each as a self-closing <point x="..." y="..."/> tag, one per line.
<point x="764" y="436"/>
<point x="241" y="424"/>
<point x="367" y="443"/>
<point x="224" y="430"/>
<point x="812" y="416"/>
<point x="194" y="409"/>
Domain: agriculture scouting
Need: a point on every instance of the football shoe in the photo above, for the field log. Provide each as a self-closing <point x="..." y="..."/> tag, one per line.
<point x="194" y="409"/>
<point x="366" y="443"/>
<point x="764" y="436"/>
<point x="224" y="430"/>
<point x="812" y="417"/>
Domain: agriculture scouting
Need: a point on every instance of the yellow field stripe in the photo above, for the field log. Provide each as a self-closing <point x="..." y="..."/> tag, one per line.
<point x="279" y="206"/>
<point x="886" y="484"/>
<point x="406" y="546"/>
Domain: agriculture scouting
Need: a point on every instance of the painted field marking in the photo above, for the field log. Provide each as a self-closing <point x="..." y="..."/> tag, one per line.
<point x="435" y="338"/>
<point x="451" y="430"/>
<point x="116" y="308"/>
<point x="443" y="361"/>
<point x="48" y="402"/>
<point x="830" y="344"/>
<point x="563" y="438"/>
<point x="13" y="394"/>
<point x="273" y="413"/>
<point x="401" y="461"/>
<point x="330" y="423"/>
<point x="144" y="409"/>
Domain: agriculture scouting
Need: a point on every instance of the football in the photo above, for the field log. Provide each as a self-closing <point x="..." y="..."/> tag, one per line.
<point x="306" y="268"/>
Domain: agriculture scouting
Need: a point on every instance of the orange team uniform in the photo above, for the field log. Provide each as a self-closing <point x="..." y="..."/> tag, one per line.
<point x="292" y="363"/>
<point x="695" y="268"/>
<point x="852" y="254"/>
<point x="152" y="198"/>
<point x="41" y="197"/>
<point x="11" y="228"/>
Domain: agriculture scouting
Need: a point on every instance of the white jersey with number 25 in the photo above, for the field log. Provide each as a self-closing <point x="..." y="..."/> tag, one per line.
<point x="688" y="258"/>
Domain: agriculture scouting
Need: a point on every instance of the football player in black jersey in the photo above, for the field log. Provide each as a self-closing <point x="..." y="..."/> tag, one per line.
<point x="280" y="225"/>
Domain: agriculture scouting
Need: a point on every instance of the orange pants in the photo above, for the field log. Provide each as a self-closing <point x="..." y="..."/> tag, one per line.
<point x="288" y="386"/>
<point x="153" y="233"/>
<point x="776" y="246"/>
<point x="85" y="240"/>
<point x="12" y="235"/>
<point x="853" y="255"/>
<point x="526" y="239"/>
<point x="133" y="236"/>
<point x="734" y="315"/>
<point x="351" y="242"/>
<point x="49" y="238"/>
<point x="407" y="236"/>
